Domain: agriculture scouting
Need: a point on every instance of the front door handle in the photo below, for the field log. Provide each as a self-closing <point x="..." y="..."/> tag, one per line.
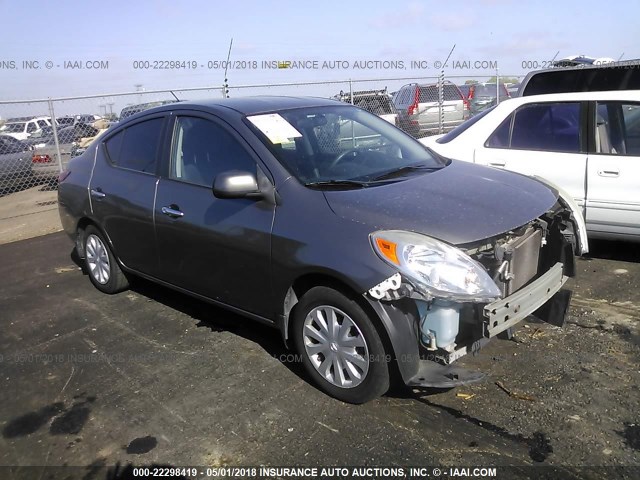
<point x="97" y="193"/>
<point x="172" y="212"/>
<point x="609" y="173"/>
<point x="497" y="164"/>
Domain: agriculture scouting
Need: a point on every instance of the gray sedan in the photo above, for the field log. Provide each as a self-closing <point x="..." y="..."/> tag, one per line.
<point x="370" y="254"/>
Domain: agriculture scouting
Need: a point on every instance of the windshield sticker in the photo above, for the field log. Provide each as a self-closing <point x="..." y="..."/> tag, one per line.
<point x="276" y="128"/>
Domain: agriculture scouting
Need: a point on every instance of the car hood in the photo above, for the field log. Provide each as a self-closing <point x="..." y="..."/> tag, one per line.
<point x="461" y="203"/>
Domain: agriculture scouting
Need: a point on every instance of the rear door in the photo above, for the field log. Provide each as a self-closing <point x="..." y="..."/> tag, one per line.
<point x="544" y="139"/>
<point x="122" y="190"/>
<point x="218" y="248"/>
<point x="613" y="174"/>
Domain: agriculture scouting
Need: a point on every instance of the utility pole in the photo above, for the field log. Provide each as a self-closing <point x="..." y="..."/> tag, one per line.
<point x="139" y="89"/>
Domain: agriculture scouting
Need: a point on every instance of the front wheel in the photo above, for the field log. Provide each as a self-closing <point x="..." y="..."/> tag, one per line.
<point x="340" y="347"/>
<point x="102" y="267"/>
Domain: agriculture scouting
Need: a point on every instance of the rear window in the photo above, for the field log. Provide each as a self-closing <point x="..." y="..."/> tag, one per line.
<point x="136" y="147"/>
<point x="583" y="80"/>
<point x="429" y="93"/>
<point x="404" y="96"/>
<point x="488" y="90"/>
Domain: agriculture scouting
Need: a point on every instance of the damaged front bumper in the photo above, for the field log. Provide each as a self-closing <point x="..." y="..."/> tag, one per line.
<point x="530" y="266"/>
<point x="435" y="369"/>
<point x="507" y="312"/>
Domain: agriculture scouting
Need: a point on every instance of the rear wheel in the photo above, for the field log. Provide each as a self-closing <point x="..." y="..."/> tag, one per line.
<point x="340" y="347"/>
<point x="102" y="267"/>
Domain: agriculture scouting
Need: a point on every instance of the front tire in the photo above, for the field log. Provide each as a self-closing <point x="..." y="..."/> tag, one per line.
<point x="340" y="347"/>
<point x="102" y="267"/>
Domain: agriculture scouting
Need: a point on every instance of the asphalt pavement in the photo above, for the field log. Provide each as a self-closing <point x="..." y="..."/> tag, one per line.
<point x="151" y="376"/>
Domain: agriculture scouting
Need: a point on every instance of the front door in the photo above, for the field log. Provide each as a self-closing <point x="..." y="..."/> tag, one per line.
<point x="218" y="248"/>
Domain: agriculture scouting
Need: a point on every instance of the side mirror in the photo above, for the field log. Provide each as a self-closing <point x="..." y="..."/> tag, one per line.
<point x="236" y="184"/>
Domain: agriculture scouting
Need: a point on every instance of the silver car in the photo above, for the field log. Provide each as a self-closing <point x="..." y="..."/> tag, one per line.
<point x="419" y="111"/>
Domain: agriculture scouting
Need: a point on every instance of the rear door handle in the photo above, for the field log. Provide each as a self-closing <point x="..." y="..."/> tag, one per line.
<point x="609" y="173"/>
<point x="172" y="212"/>
<point x="97" y="193"/>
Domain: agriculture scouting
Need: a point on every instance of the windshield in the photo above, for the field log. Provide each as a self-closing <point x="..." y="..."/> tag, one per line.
<point x="340" y="144"/>
<point x="14" y="127"/>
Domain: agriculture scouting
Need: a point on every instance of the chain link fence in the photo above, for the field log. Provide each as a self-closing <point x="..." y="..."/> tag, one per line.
<point x="39" y="137"/>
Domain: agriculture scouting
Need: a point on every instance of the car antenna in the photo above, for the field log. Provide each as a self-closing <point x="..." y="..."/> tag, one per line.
<point x="225" y="85"/>
<point x="444" y="64"/>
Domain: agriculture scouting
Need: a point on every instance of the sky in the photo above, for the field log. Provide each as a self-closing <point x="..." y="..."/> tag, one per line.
<point x="122" y="36"/>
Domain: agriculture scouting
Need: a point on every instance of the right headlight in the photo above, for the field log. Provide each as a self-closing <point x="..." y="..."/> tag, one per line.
<point x="435" y="268"/>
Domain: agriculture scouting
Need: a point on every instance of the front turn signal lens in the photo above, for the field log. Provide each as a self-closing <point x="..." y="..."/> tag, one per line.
<point x="388" y="249"/>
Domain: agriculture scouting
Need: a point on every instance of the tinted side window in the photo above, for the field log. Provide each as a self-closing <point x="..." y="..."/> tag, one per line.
<point x="202" y="149"/>
<point x="617" y="128"/>
<point x="550" y="127"/>
<point x="402" y="96"/>
<point x="499" y="138"/>
<point x="136" y="148"/>
<point x="113" y="146"/>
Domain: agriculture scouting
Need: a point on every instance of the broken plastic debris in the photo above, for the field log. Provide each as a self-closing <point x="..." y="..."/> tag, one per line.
<point x="465" y="396"/>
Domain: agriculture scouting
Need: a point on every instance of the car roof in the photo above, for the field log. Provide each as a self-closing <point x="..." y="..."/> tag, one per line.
<point x="261" y="104"/>
<point x="613" y="95"/>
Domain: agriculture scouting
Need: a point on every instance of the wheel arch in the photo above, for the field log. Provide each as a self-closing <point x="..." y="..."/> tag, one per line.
<point x="82" y="225"/>
<point x="306" y="282"/>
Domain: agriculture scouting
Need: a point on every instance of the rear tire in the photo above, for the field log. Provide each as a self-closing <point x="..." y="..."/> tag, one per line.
<point x="102" y="267"/>
<point x="340" y="347"/>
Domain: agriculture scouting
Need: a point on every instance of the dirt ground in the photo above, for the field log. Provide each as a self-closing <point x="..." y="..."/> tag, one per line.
<point x="152" y="376"/>
<point x="28" y="213"/>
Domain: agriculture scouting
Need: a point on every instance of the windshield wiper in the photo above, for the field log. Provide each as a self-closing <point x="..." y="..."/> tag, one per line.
<point x="338" y="183"/>
<point x="407" y="169"/>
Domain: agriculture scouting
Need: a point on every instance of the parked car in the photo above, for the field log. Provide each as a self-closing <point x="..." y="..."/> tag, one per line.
<point x="367" y="259"/>
<point x="15" y="163"/>
<point x="94" y="121"/>
<point x="66" y="121"/>
<point x="513" y="89"/>
<point x="588" y="143"/>
<point x="377" y="102"/>
<point x="464" y="90"/>
<point x="22" y="129"/>
<point x="581" y="60"/>
<point x="46" y="166"/>
<point x="419" y="112"/>
<point x="623" y="75"/>
<point x="485" y="95"/>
